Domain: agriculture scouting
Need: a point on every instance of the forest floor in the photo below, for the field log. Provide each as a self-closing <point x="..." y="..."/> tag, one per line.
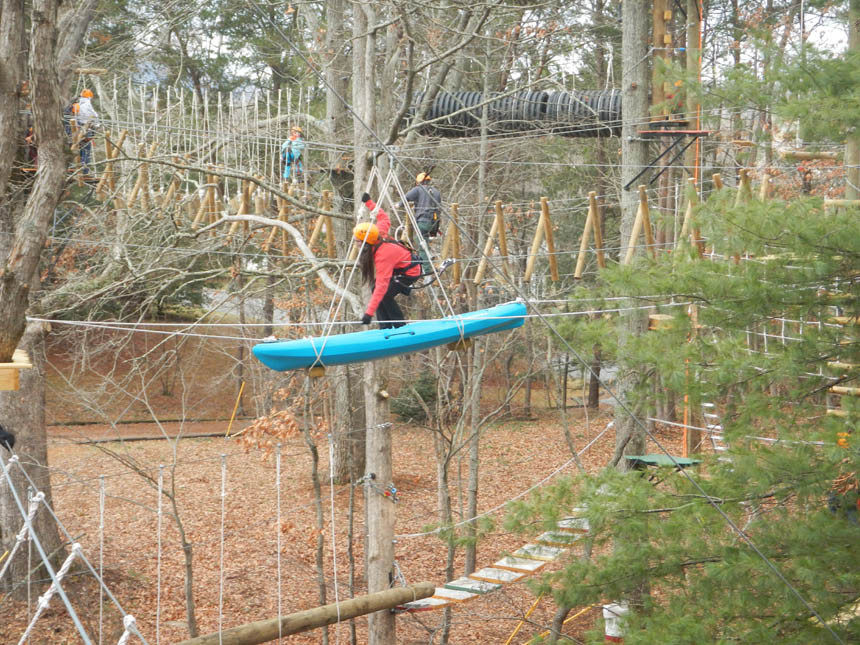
<point x="252" y="538"/>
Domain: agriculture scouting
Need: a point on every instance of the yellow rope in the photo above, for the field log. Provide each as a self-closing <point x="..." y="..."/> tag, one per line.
<point x="3" y="557"/>
<point x="235" y="407"/>
<point x="523" y="621"/>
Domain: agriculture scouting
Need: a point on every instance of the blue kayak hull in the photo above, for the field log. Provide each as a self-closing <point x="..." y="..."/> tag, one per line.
<point x="373" y="344"/>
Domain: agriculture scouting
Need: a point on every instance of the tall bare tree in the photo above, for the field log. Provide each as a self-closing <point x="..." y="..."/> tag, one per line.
<point x="38" y="42"/>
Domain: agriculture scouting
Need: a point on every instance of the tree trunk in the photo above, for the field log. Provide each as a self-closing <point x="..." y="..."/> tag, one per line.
<point x="348" y="425"/>
<point x="629" y="435"/>
<point x="24" y="416"/>
<point x="379" y="547"/>
<point x="594" y="381"/>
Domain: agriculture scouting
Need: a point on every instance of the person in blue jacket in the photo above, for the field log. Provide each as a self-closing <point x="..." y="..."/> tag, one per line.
<point x="291" y="153"/>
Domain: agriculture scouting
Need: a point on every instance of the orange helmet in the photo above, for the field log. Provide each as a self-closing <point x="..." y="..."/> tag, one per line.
<point x="366" y="232"/>
<point x="86" y="94"/>
<point x="422" y="177"/>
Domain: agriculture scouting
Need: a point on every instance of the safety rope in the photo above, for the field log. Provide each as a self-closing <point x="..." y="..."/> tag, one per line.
<point x="25" y="529"/>
<point x="45" y="598"/>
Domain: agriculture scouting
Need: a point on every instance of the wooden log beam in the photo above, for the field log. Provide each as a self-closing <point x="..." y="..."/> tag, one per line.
<point x="550" y="240"/>
<point x="536" y="242"/>
<point x="263" y="631"/>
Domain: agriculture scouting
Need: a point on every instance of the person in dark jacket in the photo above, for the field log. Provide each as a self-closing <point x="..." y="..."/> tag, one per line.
<point x="386" y="264"/>
<point x="426" y="202"/>
<point x="7" y="439"/>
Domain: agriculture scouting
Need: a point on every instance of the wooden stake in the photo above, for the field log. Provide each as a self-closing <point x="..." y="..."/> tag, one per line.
<point x="692" y="200"/>
<point x="540" y="229"/>
<point x="550" y="240"/>
<point x="454" y="232"/>
<point x="488" y="248"/>
<point x="596" y="229"/>
<point x="764" y="189"/>
<point x="141" y="149"/>
<point x="586" y="234"/>
<point x="503" y="240"/>
<point x="643" y="220"/>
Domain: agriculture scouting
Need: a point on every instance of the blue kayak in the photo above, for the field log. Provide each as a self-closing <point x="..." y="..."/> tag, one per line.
<point x="373" y="344"/>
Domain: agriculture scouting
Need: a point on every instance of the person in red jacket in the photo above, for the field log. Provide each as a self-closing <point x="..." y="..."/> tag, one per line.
<point x="386" y="264"/>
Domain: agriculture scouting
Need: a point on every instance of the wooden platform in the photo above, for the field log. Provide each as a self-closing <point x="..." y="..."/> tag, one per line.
<point x="10" y="372"/>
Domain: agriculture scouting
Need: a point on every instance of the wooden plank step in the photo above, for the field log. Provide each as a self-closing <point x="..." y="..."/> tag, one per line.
<point x="841" y="389"/>
<point x="472" y="586"/>
<point x="539" y="552"/>
<point x="425" y="604"/>
<point x="524" y="565"/>
<point x="837" y="413"/>
<point x="498" y="576"/>
<point x="453" y="595"/>
<point x="558" y="538"/>
<point x="574" y="524"/>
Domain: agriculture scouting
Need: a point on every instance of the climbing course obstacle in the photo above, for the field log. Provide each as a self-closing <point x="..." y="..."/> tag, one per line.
<point x="525" y="561"/>
<point x="374" y="344"/>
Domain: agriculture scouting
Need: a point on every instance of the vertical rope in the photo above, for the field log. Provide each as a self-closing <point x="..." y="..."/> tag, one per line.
<point x="333" y="535"/>
<point x="278" y="532"/>
<point x="221" y="549"/>
<point x="158" y="565"/>
<point x="101" y="554"/>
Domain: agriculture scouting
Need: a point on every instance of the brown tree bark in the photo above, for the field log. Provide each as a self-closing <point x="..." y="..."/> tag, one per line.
<point x="24" y="219"/>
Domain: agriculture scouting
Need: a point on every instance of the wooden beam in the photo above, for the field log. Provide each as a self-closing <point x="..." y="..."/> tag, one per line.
<point x="503" y="239"/>
<point x="263" y="631"/>
<point x="841" y="389"/>
<point x="586" y="234"/>
<point x="642" y="221"/>
<point x="536" y="242"/>
<point x="488" y="248"/>
<point x="597" y="229"/>
<point x="550" y="240"/>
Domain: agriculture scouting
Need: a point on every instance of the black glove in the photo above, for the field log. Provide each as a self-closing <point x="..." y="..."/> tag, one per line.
<point x="366" y="318"/>
<point x="7" y="439"/>
<point x="365" y="197"/>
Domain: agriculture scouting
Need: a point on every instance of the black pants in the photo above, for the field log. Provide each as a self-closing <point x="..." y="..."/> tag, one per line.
<point x="388" y="313"/>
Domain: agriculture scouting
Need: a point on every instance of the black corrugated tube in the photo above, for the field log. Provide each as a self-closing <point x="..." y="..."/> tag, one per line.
<point x="588" y="113"/>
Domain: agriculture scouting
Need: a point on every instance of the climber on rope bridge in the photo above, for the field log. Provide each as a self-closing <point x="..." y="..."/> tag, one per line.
<point x="291" y="153"/>
<point x="426" y="201"/>
<point x="388" y="265"/>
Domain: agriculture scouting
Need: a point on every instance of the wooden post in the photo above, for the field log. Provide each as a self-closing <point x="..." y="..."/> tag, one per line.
<point x="244" y="209"/>
<point x="764" y="189"/>
<point x="488" y="248"/>
<point x="536" y="242"/>
<point x="692" y="200"/>
<point x="643" y="220"/>
<point x="100" y="187"/>
<point x="173" y="187"/>
<point x="550" y="239"/>
<point x="503" y="239"/>
<point x="743" y="195"/>
<point x="597" y="229"/>
<point x="586" y="234"/>
<point x="132" y="197"/>
<point x="263" y="631"/>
